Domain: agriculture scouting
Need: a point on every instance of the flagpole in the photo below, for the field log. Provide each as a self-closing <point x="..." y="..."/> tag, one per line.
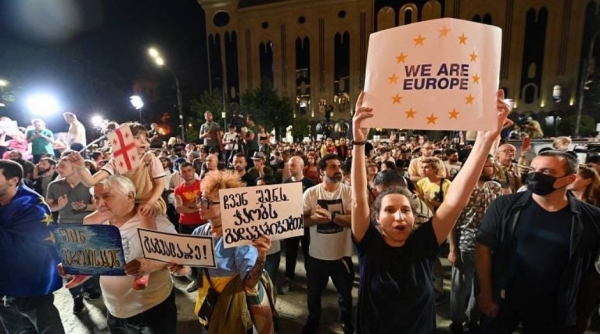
<point x="92" y="143"/>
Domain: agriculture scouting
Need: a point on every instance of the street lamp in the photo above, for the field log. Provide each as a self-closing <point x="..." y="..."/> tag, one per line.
<point x="138" y="104"/>
<point x="155" y="54"/>
<point x="42" y="104"/>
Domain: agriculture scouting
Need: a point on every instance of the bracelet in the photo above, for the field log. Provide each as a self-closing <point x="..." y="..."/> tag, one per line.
<point x="358" y="143"/>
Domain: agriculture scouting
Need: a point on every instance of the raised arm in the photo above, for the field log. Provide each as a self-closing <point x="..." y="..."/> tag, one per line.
<point x="462" y="186"/>
<point x="360" y="211"/>
<point x="87" y="178"/>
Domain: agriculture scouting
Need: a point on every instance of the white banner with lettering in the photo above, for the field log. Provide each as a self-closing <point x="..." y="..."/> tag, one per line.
<point x="185" y="250"/>
<point x="248" y="213"/>
<point x="434" y="75"/>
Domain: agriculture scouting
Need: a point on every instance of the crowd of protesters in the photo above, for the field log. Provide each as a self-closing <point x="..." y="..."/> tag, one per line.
<point x="521" y="229"/>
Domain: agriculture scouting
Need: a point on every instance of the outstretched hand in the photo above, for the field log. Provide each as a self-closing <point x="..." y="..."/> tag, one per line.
<point x="360" y="133"/>
<point x="76" y="159"/>
<point x="502" y="112"/>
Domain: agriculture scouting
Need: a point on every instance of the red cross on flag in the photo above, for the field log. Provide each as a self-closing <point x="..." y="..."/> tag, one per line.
<point x="125" y="153"/>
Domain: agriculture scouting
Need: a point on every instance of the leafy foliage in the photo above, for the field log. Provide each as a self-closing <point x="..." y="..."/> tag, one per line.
<point x="587" y="126"/>
<point x="271" y="110"/>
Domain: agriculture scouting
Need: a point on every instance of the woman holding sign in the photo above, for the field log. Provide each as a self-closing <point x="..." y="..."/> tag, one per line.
<point x="396" y="294"/>
<point x="237" y="279"/>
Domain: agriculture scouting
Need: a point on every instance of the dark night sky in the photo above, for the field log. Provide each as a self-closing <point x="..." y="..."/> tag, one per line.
<point x="89" y="52"/>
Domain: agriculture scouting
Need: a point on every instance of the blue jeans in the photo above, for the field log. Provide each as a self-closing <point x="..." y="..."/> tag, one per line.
<point x="161" y="319"/>
<point x="272" y="266"/>
<point x="30" y="315"/>
<point x="87" y="286"/>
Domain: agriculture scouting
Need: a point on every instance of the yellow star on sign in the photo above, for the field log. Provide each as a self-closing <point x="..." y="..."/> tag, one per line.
<point x="470" y="99"/>
<point x="444" y="32"/>
<point x="393" y="79"/>
<point x="473" y="56"/>
<point x="400" y="58"/>
<point x="410" y="113"/>
<point x="453" y="114"/>
<point x="419" y="40"/>
<point x="476" y="79"/>
<point x="396" y="99"/>
<point x="431" y="119"/>
<point x="463" y="39"/>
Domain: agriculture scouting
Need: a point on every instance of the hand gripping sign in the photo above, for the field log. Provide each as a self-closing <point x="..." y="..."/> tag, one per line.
<point x="435" y="75"/>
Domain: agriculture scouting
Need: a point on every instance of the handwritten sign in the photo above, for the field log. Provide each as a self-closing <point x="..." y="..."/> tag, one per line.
<point x="434" y="75"/>
<point x="89" y="249"/>
<point x="273" y="210"/>
<point x="187" y="250"/>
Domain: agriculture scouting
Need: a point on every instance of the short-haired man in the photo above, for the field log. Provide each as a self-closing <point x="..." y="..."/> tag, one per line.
<point x="210" y="132"/>
<point x="327" y="212"/>
<point x="415" y="170"/>
<point x="41" y="139"/>
<point x="535" y="253"/>
<point x="185" y="204"/>
<point x="507" y="171"/>
<point x="27" y="258"/>
<point x="72" y="200"/>
<point x="153" y="309"/>
<point x="76" y="132"/>
<point x="46" y="173"/>
<point x="239" y="165"/>
<point x="296" y="168"/>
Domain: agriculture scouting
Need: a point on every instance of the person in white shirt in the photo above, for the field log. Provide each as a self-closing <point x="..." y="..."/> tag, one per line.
<point x="327" y="208"/>
<point x="149" y="310"/>
<point x="76" y="133"/>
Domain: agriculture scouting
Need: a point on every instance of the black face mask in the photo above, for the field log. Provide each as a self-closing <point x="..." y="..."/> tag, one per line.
<point x="541" y="184"/>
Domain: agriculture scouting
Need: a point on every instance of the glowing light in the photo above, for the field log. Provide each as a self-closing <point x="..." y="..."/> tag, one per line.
<point x="159" y="61"/>
<point x="572" y="101"/>
<point x="153" y="53"/>
<point x="136" y="102"/>
<point x="3" y="83"/>
<point x="42" y="104"/>
<point x="97" y="121"/>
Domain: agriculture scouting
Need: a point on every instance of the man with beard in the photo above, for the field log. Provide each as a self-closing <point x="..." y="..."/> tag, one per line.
<point x="327" y="213"/>
<point x="452" y="164"/>
<point x="46" y="173"/>
<point x="239" y="164"/>
<point x="415" y="169"/>
<point x="210" y="132"/>
<point x="463" y="298"/>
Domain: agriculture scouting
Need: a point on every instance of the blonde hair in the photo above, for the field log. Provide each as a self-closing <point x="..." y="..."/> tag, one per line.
<point x="433" y="162"/>
<point x="561" y="142"/>
<point x="215" y="180"/>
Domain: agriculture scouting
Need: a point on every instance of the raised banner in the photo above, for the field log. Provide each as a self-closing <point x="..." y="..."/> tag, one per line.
<point x="124" y="150"/>
<point x="186" y="250"/>
<point x="435" y="75"/>
<point x="89" y="249"/>
<point x="273" y="210"/>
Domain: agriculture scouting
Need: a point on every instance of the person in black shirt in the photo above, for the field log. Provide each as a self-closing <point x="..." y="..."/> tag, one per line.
<point x="240" y="164"/>
<point x="396" y="293"/>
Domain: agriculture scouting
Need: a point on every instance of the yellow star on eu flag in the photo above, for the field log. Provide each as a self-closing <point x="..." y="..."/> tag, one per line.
<point x="396" y="99"/>
<point x="463" y="39"/>
<point x="419" y="40"/>
<point x="444" y="31"/>
<point x="469" y="99"/>
<point x="473" y="56"/>
<point x="453" y="114"/>
<point x="400" y="58"/>
<point x="47" y="219"/>
<point x="410" y="113"/>
<point x="476" y="79"/>
<point x="393" y="79"/>
<point x="431" y="119"/>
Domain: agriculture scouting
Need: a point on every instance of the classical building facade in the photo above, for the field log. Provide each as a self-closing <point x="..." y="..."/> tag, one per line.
<point x="314" y="51"/>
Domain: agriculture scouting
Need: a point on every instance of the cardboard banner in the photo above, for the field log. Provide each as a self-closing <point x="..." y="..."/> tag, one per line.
<point x="89" y="249"/>
<point x="186" y="250"/>
<point x="248" y="213"/>
<point x="434" y="75"/>
<point x="8" y="126"/>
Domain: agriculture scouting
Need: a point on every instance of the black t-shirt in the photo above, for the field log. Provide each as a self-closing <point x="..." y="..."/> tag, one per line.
<point x="248" y="180"/>
<point x="396" y="294"/>
<point x="542" y="253"/>
<point x="306" y="183"/>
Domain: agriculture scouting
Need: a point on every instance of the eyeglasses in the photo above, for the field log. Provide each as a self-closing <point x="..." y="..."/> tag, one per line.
<point x="205" y="202"/>
<point x="508" y="151"/>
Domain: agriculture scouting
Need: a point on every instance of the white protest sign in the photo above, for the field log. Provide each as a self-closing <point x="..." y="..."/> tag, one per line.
<point x="248" y="213"/>
<point x="8" y="126"/>
<point x="435" y="75"/>
<point x="186" y="250"/>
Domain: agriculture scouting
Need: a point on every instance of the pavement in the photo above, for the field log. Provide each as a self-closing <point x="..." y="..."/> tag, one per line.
<point x="291" y="307"/>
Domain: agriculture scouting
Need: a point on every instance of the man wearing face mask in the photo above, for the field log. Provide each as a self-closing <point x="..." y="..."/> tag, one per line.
<point x="535" y="254"/>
